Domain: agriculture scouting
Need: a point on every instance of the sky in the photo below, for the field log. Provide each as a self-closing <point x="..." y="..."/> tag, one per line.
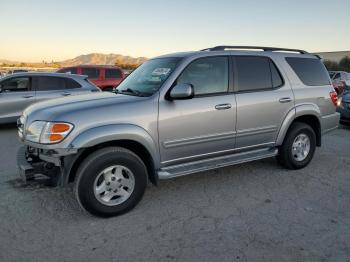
<point x="36" y="30"/>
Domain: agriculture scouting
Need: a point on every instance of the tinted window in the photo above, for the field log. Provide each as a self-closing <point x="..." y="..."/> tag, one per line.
<point x="47" y="83"/>
<point x="310" y="71"/>
<point x="113" y="73"/>
<point x="277" y="80"/>
<point x="91" y="72"/>
<point x="17" y="84"/>
<point x="207" y="75"/>
<point x="68" y="70"/>
<point x="70" y="84"/>
<point x="256" y="73"/>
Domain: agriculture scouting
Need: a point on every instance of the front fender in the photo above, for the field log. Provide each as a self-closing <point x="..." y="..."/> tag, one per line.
<point x="114" y="132"/>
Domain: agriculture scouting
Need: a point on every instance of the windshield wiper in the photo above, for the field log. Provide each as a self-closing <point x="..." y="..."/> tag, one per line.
<point x="131" y="91"/>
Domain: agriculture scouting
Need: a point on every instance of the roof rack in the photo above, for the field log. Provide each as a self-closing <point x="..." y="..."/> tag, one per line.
<point x="263" y="48"/>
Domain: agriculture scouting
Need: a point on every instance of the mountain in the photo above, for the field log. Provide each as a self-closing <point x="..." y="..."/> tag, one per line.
<point x="103" y="59"/>
<point x="126" y="62"/>
<point x="334" y="56"/>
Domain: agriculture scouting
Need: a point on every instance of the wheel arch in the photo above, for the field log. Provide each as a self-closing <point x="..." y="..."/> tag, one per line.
<point x="308" y="114"/>
<point x="131" y="137"/>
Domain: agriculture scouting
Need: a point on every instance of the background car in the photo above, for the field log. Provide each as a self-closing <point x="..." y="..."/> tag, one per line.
<point x="10" y="72"/>
<point x="17" y="91"/>
<point x="340" y="80"/>
<point x="344" y="108"/>
<point x="105" y="77"/>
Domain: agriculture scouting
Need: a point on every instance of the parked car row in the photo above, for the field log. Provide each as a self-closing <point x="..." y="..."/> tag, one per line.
<point x="176" y="115"/>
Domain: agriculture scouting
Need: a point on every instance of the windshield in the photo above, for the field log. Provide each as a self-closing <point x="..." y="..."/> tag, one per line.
<point x="149" y="77"/>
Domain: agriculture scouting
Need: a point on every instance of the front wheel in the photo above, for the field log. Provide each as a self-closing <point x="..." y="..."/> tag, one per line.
<point x="298" y="147"/>
<point x="110" y="182"/>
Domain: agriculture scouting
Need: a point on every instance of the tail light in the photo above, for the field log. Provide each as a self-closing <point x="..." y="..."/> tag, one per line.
<point x="334" y="97"/>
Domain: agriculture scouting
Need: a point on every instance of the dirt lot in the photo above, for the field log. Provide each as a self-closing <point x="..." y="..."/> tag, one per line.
<point x="250" y="212"/>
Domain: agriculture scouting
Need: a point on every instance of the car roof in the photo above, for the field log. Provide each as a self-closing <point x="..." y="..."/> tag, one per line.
<point x="28" y="74"/>
<point x="243" y="51"/>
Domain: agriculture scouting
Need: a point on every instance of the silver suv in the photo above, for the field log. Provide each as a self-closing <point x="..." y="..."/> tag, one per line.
<point x="19" y="90"/>
<point x="176" y="115"/>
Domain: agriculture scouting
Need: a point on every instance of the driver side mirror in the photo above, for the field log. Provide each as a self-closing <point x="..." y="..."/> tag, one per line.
<point x="182" y="91"/>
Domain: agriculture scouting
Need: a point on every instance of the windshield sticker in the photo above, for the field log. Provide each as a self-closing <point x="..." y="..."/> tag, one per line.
<point x="161" y="71"/>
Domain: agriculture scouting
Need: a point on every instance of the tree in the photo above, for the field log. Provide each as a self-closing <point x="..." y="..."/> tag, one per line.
<point x="343" y="65"/>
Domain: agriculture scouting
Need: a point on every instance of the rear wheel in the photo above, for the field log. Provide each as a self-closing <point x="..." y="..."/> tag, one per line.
<point x="298" y="146"/>
<point x="110" y="182"/>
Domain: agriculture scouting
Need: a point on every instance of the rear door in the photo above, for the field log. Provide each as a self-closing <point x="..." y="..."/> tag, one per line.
<point x="48" y="87"/>
<point x="16" y="94"/>
<point x="263" y="101"/>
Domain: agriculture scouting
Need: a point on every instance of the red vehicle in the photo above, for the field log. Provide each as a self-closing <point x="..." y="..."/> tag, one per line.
<point x="104" y="76"/>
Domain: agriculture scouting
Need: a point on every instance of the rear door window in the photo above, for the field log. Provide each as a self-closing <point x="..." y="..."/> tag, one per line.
<point x="310" y="71"/>
<point x="92" y="73"/>
<point x="112" y="73"/>
<point x="254" y="73"/>
<point x="48" y="83"/>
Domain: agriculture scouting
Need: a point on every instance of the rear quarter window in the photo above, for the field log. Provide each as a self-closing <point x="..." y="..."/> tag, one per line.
<point x="310" y="71"/>
<point x="71" y="84"/>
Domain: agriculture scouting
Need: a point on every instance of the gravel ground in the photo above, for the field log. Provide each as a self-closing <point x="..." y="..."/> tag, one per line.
<point x="250" y="212"/>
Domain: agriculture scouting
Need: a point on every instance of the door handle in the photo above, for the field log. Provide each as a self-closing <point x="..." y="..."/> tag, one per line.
<point x="223" y="106"/>
<point x="66" y="94"/>
<point x="27" y="96"/>
<point x="285" y="100"/>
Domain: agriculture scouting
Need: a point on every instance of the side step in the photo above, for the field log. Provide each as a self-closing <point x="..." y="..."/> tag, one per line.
<point x="214" y="163"/>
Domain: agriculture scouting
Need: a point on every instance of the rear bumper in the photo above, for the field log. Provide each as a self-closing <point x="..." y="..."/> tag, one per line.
<point x="330" y="122"/>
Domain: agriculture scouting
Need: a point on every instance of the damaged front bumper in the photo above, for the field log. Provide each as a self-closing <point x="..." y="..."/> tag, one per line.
<point x="38" y="164"/>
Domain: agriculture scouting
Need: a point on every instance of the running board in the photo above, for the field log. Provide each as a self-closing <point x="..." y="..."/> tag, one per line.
<point x="214" y="163"/>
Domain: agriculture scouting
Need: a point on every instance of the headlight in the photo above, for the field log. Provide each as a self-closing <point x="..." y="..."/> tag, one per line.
<point x="48" y="132"/>
<point x="34" y="131"/>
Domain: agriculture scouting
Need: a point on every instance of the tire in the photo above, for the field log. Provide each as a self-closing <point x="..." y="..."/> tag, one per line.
<point x="287" y="157"/>
<point x="127" y="167"/>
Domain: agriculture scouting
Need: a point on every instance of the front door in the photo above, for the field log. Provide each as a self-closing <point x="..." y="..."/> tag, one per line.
<point x="203" y="126"/>
<point x="16" y="94"/>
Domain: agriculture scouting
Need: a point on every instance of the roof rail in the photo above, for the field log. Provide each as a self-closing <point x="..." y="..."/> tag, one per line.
<point x="263" y="48"/>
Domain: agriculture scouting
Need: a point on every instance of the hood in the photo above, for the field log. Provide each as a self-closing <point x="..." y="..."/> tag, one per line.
<point x="52" y="110"/>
